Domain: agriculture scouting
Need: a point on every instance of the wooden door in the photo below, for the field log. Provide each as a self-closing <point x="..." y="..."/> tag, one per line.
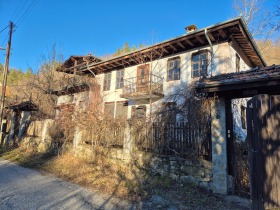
<point x="143" y="76"/>
<point x="263" y="127"/>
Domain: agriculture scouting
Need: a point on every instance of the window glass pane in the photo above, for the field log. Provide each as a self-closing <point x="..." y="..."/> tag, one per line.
<point x="177" y="63"/>
<point x="195" y="58"/>
<point x="203" y="71"/>
<point x="107" y="81"/>
<point x="173" y="69"/>
<point x="121" y="110"/>
<point x="199" y="64"/>
<point x="176" y="76"/>
<point x="195" y="73"/>
<point x="195" y="66"/>
<point x="203" y="56"/>
<point x="109" y="109"/>
<point x="119" y="79"/>
<point x="170" y="76"/>
<point x="171" y="64"/>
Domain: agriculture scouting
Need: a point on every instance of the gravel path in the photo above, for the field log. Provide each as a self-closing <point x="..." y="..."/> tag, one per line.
<point x="22" y="188"/>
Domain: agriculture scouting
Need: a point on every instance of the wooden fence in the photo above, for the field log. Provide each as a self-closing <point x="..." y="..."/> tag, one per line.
<point x="180" y="139"/>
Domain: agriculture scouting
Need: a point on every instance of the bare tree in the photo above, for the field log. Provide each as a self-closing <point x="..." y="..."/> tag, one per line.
<point x="259" y="19"/>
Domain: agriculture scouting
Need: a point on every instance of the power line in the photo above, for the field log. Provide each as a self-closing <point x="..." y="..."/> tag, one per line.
<point x="17" y="12"/>
<point x="5" y="39"/>
<point x="26" y="13"/>
<point x="4" y="29"/>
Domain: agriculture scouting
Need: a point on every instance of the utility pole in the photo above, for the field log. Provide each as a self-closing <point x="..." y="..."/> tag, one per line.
<point x="6" y="68"/>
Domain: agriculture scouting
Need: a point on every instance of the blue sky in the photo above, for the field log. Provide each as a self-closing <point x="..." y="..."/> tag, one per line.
<point x="99" y="27"/>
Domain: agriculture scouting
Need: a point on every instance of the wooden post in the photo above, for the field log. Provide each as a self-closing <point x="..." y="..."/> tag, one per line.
<point x="6" y="69"/>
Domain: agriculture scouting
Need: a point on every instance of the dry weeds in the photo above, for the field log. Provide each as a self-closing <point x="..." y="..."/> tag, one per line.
<point x="124" y="181"/>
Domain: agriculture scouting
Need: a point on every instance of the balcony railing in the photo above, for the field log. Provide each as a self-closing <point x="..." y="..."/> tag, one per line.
<point x="143" y="87"/>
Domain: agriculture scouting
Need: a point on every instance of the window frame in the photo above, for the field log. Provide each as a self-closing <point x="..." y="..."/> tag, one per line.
<point x="199" y="63"/>
<point x="113" y="110"/>
<point x="173" y="73"/>
<point x="107" y="81"/>
<point x="120" y="79"/>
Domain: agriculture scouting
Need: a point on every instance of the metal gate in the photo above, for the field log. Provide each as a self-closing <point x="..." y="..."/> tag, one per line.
<point x="263" y="127"/>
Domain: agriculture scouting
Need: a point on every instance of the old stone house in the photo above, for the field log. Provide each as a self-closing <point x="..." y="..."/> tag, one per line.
<point x="138" y="83"/>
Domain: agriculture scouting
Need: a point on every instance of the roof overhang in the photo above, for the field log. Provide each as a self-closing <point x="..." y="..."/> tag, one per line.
<point x="264" y="80"/>
<point x="75" y="61"/>
<point x="222" y="32"/>
<point x="70" y="89"/>
<point x="24" y="106"/>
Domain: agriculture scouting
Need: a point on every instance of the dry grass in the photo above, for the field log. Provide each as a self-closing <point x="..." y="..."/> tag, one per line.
<point x="101" y="174"/>
<point x="125" y="181"/>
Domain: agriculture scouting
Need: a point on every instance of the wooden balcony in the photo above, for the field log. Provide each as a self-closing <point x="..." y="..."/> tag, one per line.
<point x="148" y="86"/>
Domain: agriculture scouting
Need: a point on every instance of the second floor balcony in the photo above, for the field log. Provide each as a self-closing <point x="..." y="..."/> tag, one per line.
<point x="143" y="87"/>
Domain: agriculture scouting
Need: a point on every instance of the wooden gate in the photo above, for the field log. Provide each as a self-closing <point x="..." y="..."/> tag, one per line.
<point x="263" y="127"/>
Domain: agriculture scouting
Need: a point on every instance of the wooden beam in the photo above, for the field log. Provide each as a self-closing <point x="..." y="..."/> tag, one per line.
<point x="222" y="33"/>
<point x="73" y="59"/>
<point x="189" y="42"/>
<point x="174" y="48"/>
<point x="157" y="52"/>
<point x="181" y="45"/>
<point x="125" y="62"/>
<point x="223" y="26"/>
<point x="75" y="68"/>
<point x="164" y="49"/>
<point x="211" y="36"/>
<point x="199" y="39"/>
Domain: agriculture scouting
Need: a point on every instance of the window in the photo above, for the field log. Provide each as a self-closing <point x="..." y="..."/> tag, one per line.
<point x="243" y="117"/>
<point x="116" y="110"/>
<point x="121" y="110"/>
<point x="109" y="109"/>
<point x="199" y="64"/>
<point x="107" y="81"/>
<point x="237" y="63"/>
<point x="119" y="79"/>
<point x="138" y="112"/>
<point x="173" y="69"/>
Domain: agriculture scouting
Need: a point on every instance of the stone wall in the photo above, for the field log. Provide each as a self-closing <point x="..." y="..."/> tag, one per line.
<point x="185" y="171"/>
<point x="198" y="172"/>
<point x="38" y="135"/>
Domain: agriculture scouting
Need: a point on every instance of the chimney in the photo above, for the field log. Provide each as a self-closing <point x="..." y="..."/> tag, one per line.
<point x="191" y="28"/>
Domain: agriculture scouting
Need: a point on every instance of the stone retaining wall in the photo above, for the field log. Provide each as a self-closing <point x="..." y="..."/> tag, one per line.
<point x="185" y="171"/>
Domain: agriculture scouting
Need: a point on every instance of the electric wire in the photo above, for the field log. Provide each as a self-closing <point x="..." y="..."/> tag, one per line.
<point x="4" y="29"/>
<point x="5" y="40"/>
<point x="17" y="12"/>
<point x="26" y="13"/>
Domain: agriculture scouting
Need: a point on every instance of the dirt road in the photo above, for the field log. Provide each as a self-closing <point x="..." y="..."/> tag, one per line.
<point x="22" y="188"/>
